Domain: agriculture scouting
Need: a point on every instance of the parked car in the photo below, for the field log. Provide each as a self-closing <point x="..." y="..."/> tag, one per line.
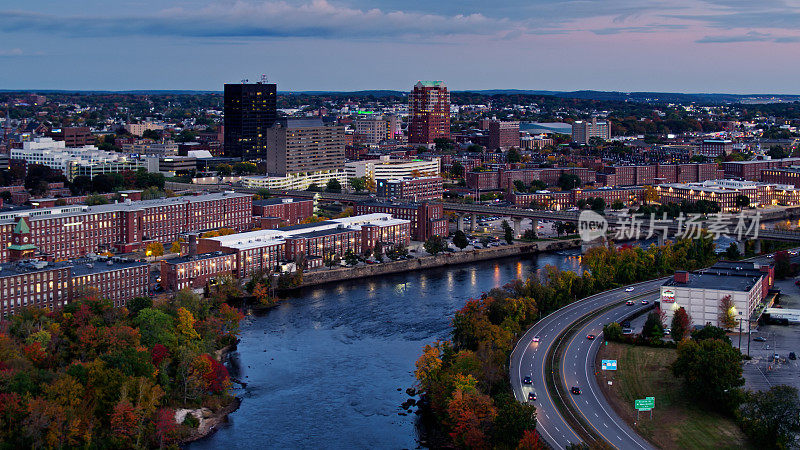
<point x="627" y="331"/>
<point x="792" y="356"/>
<point x="575" y="390"/>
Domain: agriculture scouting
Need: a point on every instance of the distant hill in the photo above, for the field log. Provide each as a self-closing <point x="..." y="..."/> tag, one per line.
<point x="639" y="97"/>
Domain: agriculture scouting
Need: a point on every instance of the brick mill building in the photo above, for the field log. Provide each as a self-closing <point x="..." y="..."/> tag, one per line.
<point x="68" y="232"/>
<point x="244" y="254"/>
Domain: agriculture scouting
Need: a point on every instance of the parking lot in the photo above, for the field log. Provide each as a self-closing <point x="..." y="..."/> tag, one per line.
<point x="764" y="370"/>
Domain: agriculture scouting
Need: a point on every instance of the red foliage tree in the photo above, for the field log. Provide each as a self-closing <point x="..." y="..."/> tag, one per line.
<point x="166" y="428"/>
<point x="531" y="441"/>
<point x="124" y="422"/>
<point x="215" y="378"/>
<point x="158" y="354"/>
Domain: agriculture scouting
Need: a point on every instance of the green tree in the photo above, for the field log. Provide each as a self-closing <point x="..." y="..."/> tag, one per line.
<point x="732" y="252"/>
<point x="460" y="240"/>
<point x="681" y="324"/>
<point x="742" y="201"/>
<point x="653" y="328"/>
<point x="513" y="156"/>
<point x="710" y="332"/>
<point x="314" y="187"/>
<point x="443" y="144"/>
<point x="616" y="205"/>
<point x="508" y="232"/>
<point x="712" y="372"/>
<point x="569" y="181"/>
<point x="151" y="134"/>
<point x="457" y="169"/>
<point x="334" y="185"/>
<point x="350" y="258"/>
<point x="435" y="245"/>
<point x="512" y="421"/>
<point x="612" y="331"/>
<point x="155" y="327"/>
<point x="772" y="418"/>
<point x="358" y="184"/>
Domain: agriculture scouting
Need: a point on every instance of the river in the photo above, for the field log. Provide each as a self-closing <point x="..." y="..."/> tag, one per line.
<point x="329" y="367"/>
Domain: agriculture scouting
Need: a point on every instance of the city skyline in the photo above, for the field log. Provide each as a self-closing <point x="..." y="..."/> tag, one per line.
<point x="719" y="46"/>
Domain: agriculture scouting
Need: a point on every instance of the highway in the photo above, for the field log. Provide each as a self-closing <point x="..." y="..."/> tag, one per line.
<point x="577" y="364"/>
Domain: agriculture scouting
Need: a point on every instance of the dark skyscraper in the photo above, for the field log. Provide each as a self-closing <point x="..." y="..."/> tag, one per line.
<point x="249" y="110"/>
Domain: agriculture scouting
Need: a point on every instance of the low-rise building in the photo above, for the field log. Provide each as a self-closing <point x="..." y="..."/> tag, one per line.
<point x="726" y="192"/>
<point x="391" y="169"/>
<point x="427" y="219"/>
<point x="281" y="211"/>
<point x="701" y="293"/>
<point x="415" y="189"/>
<point x="265" y="250"/>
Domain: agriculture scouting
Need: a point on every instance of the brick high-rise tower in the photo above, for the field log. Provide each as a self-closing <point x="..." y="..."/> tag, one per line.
<point x="430" y="112"/>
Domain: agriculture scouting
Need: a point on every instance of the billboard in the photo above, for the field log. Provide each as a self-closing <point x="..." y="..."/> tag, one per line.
<point x="667" y="295"/>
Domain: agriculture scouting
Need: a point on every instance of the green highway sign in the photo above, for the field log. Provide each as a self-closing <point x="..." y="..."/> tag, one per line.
<point x="645" y="404"/>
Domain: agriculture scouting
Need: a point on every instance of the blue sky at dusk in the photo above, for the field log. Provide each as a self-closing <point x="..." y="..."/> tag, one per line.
<point x="737" y="46"/>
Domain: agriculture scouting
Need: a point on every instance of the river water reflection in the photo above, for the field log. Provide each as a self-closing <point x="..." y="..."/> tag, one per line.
<point x="329" y="367"/>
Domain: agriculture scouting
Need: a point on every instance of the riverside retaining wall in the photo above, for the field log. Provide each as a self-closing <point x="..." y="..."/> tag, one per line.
<point x="426" y="262"/>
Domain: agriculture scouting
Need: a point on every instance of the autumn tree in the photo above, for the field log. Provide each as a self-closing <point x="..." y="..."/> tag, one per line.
<point x="175" y="247"/>
<point x="471" y="416"/>
<point x="681" y="324"/>
<point x="727" y="313"/>
<point x="650" y="195"/>
<point x="154" y="249"/>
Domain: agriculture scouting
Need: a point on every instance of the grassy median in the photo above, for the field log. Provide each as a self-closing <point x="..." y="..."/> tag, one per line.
<point x="677" y="423"/>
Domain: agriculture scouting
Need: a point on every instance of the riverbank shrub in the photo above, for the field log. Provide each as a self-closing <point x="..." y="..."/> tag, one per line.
<point x="94" y="375"/>
<point x="467" y="376"/>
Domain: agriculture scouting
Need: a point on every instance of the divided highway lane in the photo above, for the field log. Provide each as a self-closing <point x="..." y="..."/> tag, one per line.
<point x="528" y="359"/>
<point x="577" y="369"/>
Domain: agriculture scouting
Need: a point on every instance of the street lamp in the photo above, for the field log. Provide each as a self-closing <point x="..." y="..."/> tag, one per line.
<point x="740" y="332"/>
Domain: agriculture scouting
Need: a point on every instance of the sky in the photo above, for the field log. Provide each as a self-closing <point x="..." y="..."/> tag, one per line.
<point x="725" y="46"/>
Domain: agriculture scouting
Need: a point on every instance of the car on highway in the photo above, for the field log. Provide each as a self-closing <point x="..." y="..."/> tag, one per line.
<point x="630" y="289"/>
<point x="644" y="302"/>
<point x="760" y="339"/>
<point x="536" y="339"/>
<point x="629" y="303"/>
<point x="532" y="396"/>
<point x="575" y="390"/>
<point x="590" y="336"/>
<point x="527" y="380"/>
